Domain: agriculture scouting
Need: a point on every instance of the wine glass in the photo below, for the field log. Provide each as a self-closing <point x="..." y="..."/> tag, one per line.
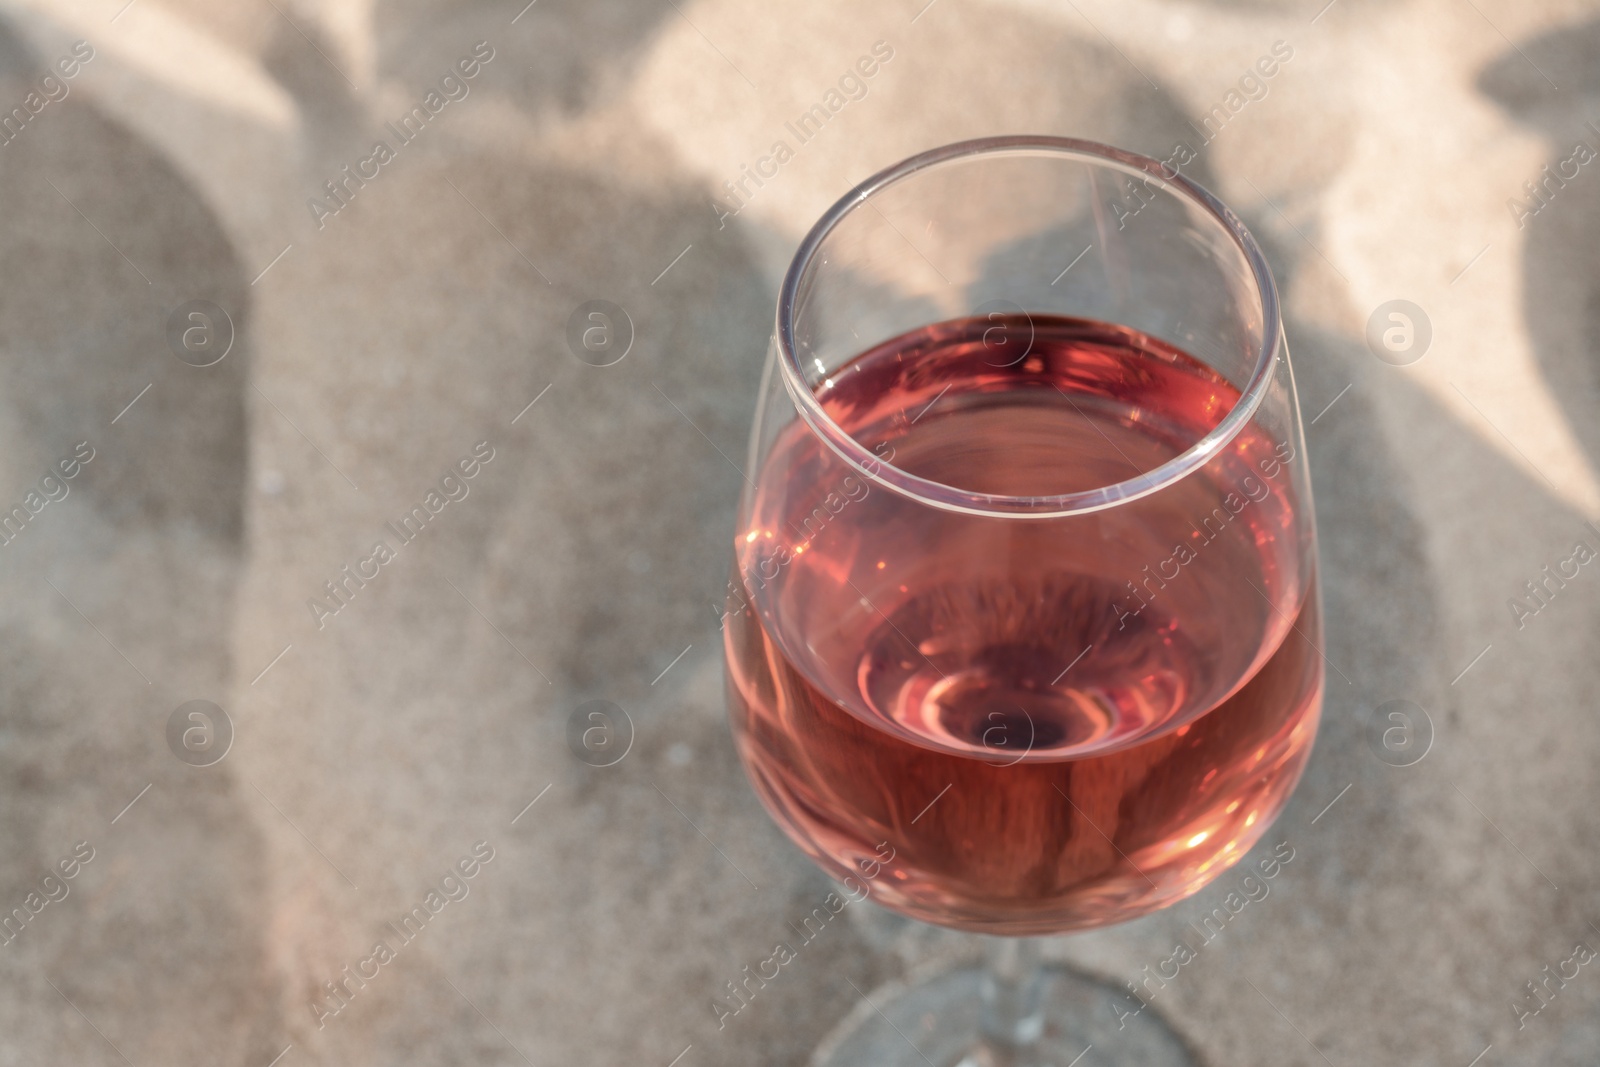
<point x="1022" y="633"/>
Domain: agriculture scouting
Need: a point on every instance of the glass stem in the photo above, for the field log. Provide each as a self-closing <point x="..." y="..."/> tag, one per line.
<point x="1012" y="992"/>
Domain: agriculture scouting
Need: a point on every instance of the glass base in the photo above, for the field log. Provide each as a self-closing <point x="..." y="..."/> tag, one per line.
<point x="938" y="1023"/>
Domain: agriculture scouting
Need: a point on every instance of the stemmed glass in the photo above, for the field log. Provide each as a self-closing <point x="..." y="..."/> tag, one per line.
<point x="1022" y="628"/>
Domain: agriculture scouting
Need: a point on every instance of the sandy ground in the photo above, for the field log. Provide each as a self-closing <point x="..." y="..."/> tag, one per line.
<point x="376" y="347"/>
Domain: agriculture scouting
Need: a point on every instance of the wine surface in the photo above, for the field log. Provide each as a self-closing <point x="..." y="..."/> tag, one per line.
<point x="1049" y="723"/>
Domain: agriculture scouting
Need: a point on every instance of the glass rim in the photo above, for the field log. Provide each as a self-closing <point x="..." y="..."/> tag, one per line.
<point x="949" y="497"/>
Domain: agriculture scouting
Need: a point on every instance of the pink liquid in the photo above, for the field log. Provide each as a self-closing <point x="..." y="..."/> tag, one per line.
<point x="1050" y="724"/>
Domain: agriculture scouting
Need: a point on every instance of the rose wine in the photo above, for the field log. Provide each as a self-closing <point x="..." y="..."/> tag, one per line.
<point x="1048" y="723"/>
